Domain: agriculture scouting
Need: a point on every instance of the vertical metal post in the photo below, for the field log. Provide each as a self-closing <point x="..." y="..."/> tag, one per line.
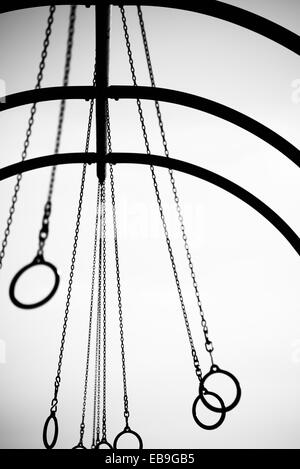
<point x="102" y="14"/>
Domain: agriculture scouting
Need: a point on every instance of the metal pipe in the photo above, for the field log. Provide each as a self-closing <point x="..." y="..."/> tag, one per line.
<point x="102" y="70"/>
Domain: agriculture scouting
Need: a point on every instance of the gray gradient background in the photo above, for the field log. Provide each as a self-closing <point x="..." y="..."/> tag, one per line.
<point x="248" y="274"/>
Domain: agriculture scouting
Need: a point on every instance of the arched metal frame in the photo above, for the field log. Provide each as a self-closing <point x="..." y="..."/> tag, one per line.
<point x="215" y="9"/>
<point x="170" y="163"/>
<point x="159" y="94"/>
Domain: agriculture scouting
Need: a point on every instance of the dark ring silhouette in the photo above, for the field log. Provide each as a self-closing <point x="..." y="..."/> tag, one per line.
<point x="52" y="417"/>
<point x="102" y="443"/>
<point x="125" y="432"/>
<point x="38" y="260"/>
<point x="221" y="410"/>
<point x="79" y="446"/>
<point x="215" y="369"/>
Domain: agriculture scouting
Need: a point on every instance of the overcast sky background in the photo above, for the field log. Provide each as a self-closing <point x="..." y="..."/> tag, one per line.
<point x="247" y="272"/>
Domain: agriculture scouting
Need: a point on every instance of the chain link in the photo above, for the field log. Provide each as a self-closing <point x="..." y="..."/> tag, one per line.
<point x="159" y="202"/>
<point x="39" y="79"/>
<point x="99" y="316"/>
<point x="104" y="314"/>
<point x="73" y="259"/>
<point x="44" y="231"/>
<point x="208" y="343"/>
<point x="82" y="425"/>
<point x="117" y="260"/>
<point x="121" y="325"/>
<point x="96" y="407"/>
<point x="101" y="301"/>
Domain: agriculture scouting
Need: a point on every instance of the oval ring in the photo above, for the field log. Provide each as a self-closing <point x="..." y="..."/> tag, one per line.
<point x="52" y="417"/>
<point x="126" y="431"/>
<point x="220" y="410"/>
<point x="38" y="260"/>
<point x="79" y="446"/>
<point x="213" y="370"/>
<point x="102" y="443"/>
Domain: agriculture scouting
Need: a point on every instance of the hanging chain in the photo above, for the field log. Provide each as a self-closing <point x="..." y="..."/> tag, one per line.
<point x="99" y="316"/>
<point x="117" y="260"/>
<point x="86" y="378"/>
<point x="157" y="193"/>
<point x="104" y="316"/>
<point x="42" y="65"/>
<point x="101" y="301"/>
<point x="96" y="407"/>
<point x="72" y="268"/>
<point x="208" y="344"/>
<point x="44" y="231"/>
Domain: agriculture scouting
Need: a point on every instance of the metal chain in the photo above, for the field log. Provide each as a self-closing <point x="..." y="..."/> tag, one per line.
<point x="42" y="65"/>
<point x="117" y="260"/>
<point x="121" y="326"/>
<point x="86" y="377"/>
<point x="72" y="268"/>
<point x="43" y="235"/>
<point x="157" y="193"/>
<point x="98" y="345"/>
<point x="101" y="301"/>
<point x="96" y="406"/>
<point x="95" y="390"/>
<point x="104" y="316"/>
<point x="208" y="344"/>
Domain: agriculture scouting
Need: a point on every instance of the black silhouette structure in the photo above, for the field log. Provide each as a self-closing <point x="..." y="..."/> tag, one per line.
<point x="101" y="157"/>
<point x="102" y="91"/>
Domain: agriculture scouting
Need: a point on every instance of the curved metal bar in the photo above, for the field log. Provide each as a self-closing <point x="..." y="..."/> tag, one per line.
<point x="159" y="94"/>
<point x="216" y="9"/>
<point x="45" y="161"/>
<point x="211" y="107"/>
<point x="47" y="94"/>
<point x="178" y="165"/>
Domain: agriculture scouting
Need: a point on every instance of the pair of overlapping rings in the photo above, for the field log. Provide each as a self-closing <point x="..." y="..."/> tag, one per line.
<point x="221" y="409"/>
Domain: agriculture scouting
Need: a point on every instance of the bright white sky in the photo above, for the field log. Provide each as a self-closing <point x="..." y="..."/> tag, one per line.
<point x="247" y="272"/>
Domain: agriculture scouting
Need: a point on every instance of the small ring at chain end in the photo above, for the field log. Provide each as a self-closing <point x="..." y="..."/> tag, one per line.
<point x="38" y="260"/>
<point x="125" y="432"/>
<point x="52" y="417"/>
<point x="222" y="410"/>
<point x="216" y="370"/>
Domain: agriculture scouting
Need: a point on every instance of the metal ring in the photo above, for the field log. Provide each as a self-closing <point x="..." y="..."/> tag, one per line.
<point x="221" y="409"/>
<point x="102" y="443"/>
<point x="215" y="369"/>
<point x="79" y="446"/>
<point x="52" y="417"/>
<point x="38" y="260"/>
<point x="126" y="431"/>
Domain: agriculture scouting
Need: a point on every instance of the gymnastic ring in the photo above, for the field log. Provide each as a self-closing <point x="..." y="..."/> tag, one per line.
<point x="221" y="410"/>
<point x="102" y="443"/>
<point x="126" y="431"/>
<point x="79" y="446"/>
<point x="52" y="417"/>
<point x="213" y="370"/>
<point x="38" y="260"/>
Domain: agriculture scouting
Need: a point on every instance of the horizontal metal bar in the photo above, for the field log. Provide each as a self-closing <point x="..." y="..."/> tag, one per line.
<point x="47" y="94"/>
<point x="206" y="105"/>
<point x="171" y="163"/>
<point x="216" y="9"/>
